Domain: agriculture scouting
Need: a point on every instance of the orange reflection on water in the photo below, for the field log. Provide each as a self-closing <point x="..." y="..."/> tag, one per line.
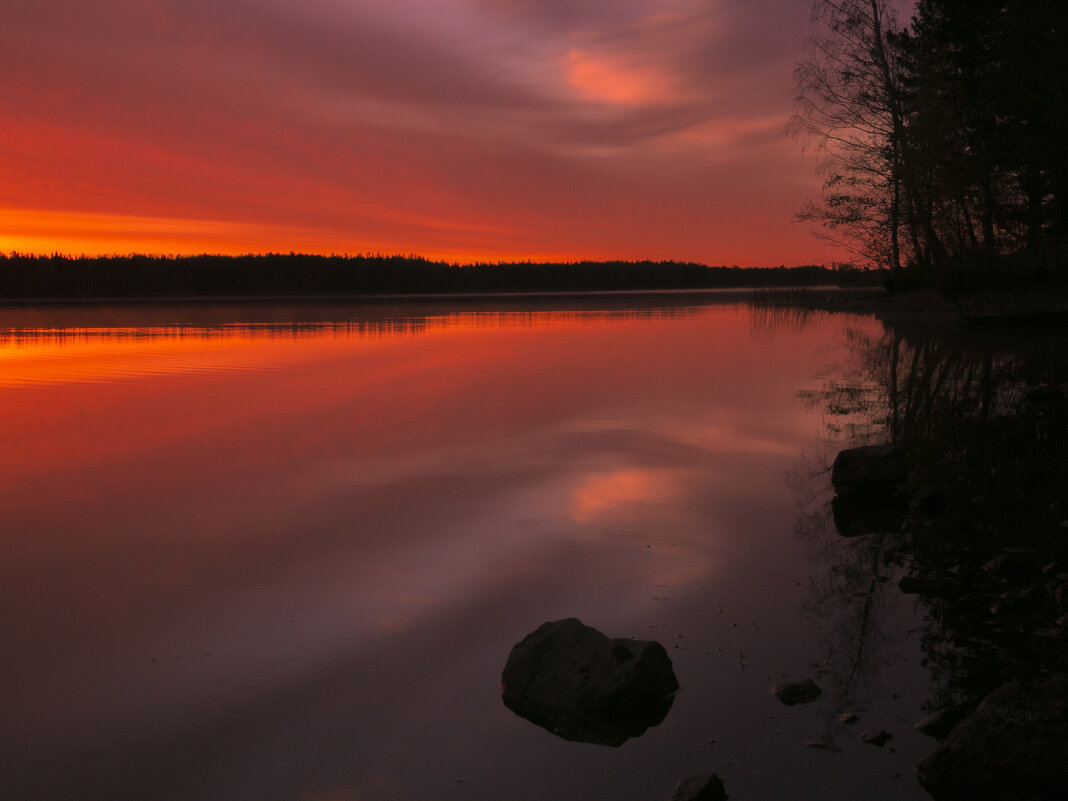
<point x="59" y="355"/>
<point x="600" y="494"/>
<point x="292" y="496"/>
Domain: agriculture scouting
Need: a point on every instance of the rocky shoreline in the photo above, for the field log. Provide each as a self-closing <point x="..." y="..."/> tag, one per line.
<point x="1009" y="746"/>
<point x="1027" y="304"/>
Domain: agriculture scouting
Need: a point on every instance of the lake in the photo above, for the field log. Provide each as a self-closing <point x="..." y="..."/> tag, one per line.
<point x="283" y="552"/>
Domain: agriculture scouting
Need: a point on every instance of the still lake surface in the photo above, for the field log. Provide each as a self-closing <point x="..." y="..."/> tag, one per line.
<point x="280" y="552"/>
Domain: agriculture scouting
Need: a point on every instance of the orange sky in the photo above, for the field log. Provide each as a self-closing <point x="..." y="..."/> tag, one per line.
<point x="456" y="129"/>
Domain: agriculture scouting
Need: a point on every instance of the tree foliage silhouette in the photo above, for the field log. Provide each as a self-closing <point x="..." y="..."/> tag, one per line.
<point x="849" y="110"/>
<point x="28" y="277"/>
<point x="940" y="142"/>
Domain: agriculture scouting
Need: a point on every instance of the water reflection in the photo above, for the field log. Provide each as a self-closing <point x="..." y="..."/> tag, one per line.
<point x="69" y="344"/>
<point x="986" y="432"/>
<point x="852" y="595"/>
<point x="286" y="565"/>
<point x="367" y="316"/>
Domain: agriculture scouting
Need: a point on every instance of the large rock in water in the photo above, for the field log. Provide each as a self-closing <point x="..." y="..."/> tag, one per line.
<point x="1013" y="747"/>
<point x="797" y="692"/>
<point x="872" y="467"/>
<point x="582" y="686"/>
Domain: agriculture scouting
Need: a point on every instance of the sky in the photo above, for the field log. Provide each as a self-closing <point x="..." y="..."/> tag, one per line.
<point x="464" y="130"/>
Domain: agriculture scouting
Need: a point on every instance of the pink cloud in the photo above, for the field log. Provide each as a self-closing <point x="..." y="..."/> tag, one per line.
<point x="603" y="129"/>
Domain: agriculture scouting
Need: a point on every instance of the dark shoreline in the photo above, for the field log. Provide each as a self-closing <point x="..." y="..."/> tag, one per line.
<point x="323" y="298"/>
<point x="110" y="279"/>
<point x="1040" y="304"/>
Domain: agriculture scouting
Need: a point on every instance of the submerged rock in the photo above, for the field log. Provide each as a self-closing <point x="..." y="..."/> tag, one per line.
<point x="797" y="692"/>
<point x="820" y="745"/>
<point x="940" y="723"/>
<point x="708" y="787"/>
<point x="1012" y="747"/>
<point x="876" y="737"/>
<point x="582" y="686"/>
<point x="869" y="467"/>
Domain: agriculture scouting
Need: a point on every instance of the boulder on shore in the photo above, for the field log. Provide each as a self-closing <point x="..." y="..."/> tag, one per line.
<point x="1011" y="748"/>
<point x="582" y="686"/>
<point x="872" y="467"/>
<point x="941" y="722"/>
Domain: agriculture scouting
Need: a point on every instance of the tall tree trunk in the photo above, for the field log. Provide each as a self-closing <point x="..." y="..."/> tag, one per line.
<point x="969" y="226"/>
<point x="989" y="242"/>
<point x="1032" y="186"/>
<point x="897" y="128"/>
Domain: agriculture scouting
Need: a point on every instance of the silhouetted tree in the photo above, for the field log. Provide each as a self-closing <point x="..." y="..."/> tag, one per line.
<point x="941" y="143"/>
<point x="849" y="108"/>
<point x="987" y="111"/>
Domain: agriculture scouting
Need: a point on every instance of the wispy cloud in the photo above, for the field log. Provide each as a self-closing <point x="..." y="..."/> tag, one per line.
<point x="475" y="126"/>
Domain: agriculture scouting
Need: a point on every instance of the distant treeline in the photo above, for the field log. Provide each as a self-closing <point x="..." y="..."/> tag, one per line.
<point x="28" y="277"/>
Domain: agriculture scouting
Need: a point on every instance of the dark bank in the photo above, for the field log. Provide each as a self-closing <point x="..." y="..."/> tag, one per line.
<point x="29" y="278"/>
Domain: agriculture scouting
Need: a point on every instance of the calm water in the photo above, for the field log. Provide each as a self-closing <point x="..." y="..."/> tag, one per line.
<point x="283" y="553"/>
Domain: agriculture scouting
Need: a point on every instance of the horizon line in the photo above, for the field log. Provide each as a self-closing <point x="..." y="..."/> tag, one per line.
<point x="397" y="255"/>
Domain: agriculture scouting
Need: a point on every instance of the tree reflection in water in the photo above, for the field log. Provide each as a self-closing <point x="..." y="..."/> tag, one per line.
<point x="982" y="416"/>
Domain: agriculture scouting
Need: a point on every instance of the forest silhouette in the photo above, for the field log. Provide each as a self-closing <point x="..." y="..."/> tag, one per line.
<point x="941" y="142"/>
<point x="56" y="277"/>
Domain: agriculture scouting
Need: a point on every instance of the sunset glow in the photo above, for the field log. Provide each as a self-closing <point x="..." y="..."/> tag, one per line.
<point x="623" y="488"/>
<point x="469" y="130"/>
<point x="603" y="80"/>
